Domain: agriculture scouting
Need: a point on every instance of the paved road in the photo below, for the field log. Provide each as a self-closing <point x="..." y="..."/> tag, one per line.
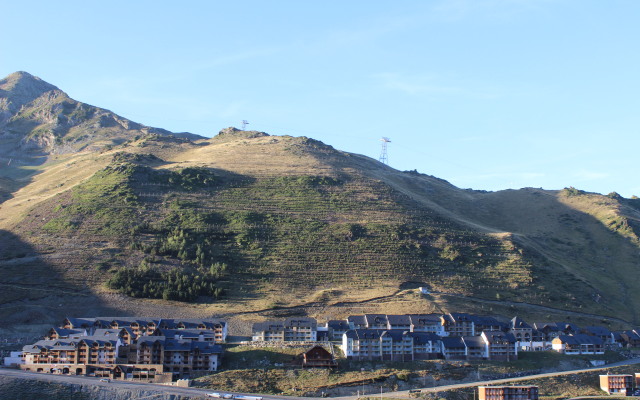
<point x="201" y="393"/>
<point x="405" y="393"/>
<point x="195" y="393"/>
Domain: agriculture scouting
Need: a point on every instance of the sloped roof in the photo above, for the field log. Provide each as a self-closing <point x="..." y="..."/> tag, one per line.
<point x="424" y="337"/>
<point x="425" y="319"/>
<point x="580" y="339"/>
<point x="338" y="325"/>
<point x="364" y="334"/>
<point x="473" y="341"/>
<point x="453" y="342"/>
<point x="518" y="323"/>
<point x="498" y="336"/>
<point x="399" y="319"/>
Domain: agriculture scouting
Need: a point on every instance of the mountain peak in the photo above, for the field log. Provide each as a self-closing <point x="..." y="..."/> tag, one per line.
<point x="21" y="88"/>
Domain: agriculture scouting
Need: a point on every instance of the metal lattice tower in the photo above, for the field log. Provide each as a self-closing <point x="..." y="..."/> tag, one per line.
<point x="244" y="123"/>
<point x="383" y="153"/>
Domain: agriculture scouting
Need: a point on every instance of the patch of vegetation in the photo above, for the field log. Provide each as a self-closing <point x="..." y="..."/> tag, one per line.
<point x="571" y="191"/>
<point x="174" y="284"/>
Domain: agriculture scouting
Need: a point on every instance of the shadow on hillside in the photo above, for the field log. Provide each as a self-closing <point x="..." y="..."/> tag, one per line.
<point x="17" y="169"/>
<point x="583" y="263"/>
<point x="32" y="291"/>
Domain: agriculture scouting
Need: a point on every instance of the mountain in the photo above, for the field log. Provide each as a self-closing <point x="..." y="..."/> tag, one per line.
<point x="249" y="223"/>
<point x="38" y="120"/>
<point x="35" y="115"/>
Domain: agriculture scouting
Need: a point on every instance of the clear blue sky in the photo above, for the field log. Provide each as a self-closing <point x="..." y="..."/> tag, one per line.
<point x="487" y="94"/>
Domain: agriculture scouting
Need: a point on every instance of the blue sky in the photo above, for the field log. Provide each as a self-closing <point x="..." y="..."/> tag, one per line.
<point x="487" y="94"/>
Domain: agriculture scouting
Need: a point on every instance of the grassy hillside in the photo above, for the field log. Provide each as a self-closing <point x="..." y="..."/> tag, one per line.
<point x="278" y="221"/>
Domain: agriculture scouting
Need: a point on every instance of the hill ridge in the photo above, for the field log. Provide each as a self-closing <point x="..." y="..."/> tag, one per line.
<point x="279" y="221"/>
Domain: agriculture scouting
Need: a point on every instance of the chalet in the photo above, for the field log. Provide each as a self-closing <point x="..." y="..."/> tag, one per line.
<point x="300" y="330"/>
<point x="599" y="331"/>
<point x="398" y="322"/>
<point x="337" y="328"/>
<point x="376" y="321"/>
<point x="123" y="348"/>
<point x="475" y="348"/>
<point x="482" y="323"/>
<point x="630" y="338"/>
<point x="396" y="345"/>
<point x="390" y="345"/>
<point x="200" y="335"/>
<point x="289" y="330"/>
<point x="578" y="344"/>
<point x="459" y="324"/>
<point x="146" y="326"/>
<point x="454" y="348"/>
<point x="362" y="344"/>
<point x="426" y="345"/>
<point x="268" y="331"/>
<point x="500" y="345"/>
<point x="318" y="357"/>
<point x="217" y="326"/>
<point x="546" y="331"/>
<point x="63" y="333"/>
<point x="507" y="393"/>
<point x="522" y="331"/>
<point x="617" y="384"/>
<point x="78" y="323"/>
<point x="357" y="322"/>
<point x="433" y="323"/>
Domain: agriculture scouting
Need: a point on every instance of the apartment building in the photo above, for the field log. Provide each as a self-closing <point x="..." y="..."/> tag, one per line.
<point x="289" y="330"/>
<point x="507" y="393"/>
<point x="617" y="384"/>
<point x="136" y="351"/>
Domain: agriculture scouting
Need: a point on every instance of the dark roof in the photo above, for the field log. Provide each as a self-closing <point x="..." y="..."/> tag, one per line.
<point x="425" y="319"/>
<point x="546" y="326"/>
<point x="62" y="332"/>
<point x="567" y="327"/>
<point x="453" y="342"/>
<point x="187" y="333"/>
<point x="375" y="319"/>
<point x="338" y="325"/>
<point x="495" y="336"/>
<point x="357" y="320"/>
<point x="580" y="339"/>
<point x="473" y="341"/>
<point x="424" y="337"/>
<point x="301" y="321"/>
<point x="487" y="321"/>
<point x="396" y="335"/>
<point x="364" y="334"/>
<point x="399" y="319"/>
<point x="597" y="330"/>
<point x="79" y="322"/>
<point x="517" y="323"/>
<point x="268" y="326"/>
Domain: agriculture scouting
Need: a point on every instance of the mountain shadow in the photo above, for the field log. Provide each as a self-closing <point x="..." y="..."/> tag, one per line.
<point x="33" y="291"/>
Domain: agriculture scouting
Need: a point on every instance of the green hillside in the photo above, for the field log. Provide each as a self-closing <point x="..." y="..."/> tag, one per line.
<point x="154" y="223"/>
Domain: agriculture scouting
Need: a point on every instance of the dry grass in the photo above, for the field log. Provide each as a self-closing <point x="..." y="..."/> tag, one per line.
<point x="548" y="240"/>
